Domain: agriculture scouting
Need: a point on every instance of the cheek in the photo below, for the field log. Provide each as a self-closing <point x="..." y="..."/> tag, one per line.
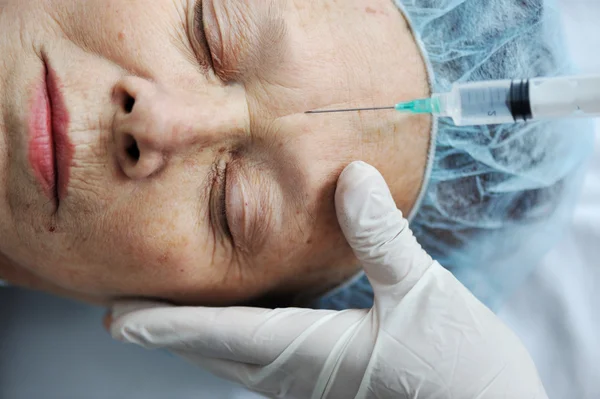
<point x="155" y="239"/>
<point x="138" y="247"/>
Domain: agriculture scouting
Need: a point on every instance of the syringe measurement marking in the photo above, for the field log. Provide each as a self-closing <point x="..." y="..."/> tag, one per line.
<point x="485" y="103"/>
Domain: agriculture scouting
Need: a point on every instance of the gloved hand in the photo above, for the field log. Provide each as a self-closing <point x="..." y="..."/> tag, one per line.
<point x="425" y="337"/>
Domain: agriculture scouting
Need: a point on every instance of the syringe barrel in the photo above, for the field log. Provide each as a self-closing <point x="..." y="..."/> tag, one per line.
<point x="477" y="103"/>
<point x="574" y="96"/>
<point x="509" y="101"/>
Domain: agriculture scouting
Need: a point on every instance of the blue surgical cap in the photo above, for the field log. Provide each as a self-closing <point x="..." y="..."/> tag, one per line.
<point x="495" y="198"/>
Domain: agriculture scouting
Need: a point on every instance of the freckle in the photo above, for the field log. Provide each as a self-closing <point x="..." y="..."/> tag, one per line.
<point x="309" y="241"/>
<point x="164" y="258"/>
<point x="189" y="163"/>
<point x="51" y="229"/>
<point x="370" y="10"/>
<point x="221" y="150"/>
<point x="121" y="36"/>
<point x="180" y="270"/>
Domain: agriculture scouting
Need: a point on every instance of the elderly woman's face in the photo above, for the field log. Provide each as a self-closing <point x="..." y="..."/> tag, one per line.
<point x="160" y="147"/>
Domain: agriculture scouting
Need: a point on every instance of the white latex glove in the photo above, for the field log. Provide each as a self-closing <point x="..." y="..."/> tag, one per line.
<point x="426" y="336"/>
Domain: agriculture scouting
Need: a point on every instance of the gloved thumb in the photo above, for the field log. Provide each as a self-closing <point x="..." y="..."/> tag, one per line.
<point x="377" y="232"/>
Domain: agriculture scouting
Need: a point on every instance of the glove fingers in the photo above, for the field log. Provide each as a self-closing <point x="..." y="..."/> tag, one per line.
<point x="208" y="332"/>
<point x="247" y="335"/>
<point x="377" y="232"/>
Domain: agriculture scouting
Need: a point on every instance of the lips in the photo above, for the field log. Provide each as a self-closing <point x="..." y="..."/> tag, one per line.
<point x="50" y="152"/>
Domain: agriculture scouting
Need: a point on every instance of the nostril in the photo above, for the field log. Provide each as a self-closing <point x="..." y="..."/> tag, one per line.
<point x="131" y="148"/>
<point x="128" y="103"/>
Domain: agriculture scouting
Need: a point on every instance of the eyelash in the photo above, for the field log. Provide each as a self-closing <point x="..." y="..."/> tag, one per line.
<point x="199" y="32"/>
<point x="220" y="199"/>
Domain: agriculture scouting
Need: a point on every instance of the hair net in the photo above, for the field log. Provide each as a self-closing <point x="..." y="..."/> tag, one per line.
<point x="495" y="198"/>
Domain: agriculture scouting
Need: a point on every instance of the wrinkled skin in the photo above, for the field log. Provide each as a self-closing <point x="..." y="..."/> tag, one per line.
<point x="196" y="176"/>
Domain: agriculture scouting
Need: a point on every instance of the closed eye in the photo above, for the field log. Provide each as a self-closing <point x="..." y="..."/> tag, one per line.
<point x="199" y="34"/>
<point x="218" y="201"/>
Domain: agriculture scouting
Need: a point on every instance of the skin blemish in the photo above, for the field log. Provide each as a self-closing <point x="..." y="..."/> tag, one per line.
<point x="121" y="36"/>
<point x="164" y="257"/>
<point x="373" y="11"/>
<point x="190" y="163"/>
<point x="52" y="229"/>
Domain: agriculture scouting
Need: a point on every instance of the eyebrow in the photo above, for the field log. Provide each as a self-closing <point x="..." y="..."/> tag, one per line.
<point x="272" y="35"/>
<point x="253" y="49"/>
<point x="291" y="179"/>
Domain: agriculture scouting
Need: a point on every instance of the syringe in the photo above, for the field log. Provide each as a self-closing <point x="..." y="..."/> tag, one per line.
<point x="507" y="101"/>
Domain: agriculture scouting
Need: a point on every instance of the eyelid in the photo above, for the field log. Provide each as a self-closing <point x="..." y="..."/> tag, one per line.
<point x="250" y="204"/>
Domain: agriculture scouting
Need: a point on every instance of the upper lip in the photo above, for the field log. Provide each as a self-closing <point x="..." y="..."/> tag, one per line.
<point x="49" y="148"/>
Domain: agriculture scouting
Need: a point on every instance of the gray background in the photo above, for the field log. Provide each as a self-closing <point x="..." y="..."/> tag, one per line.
<point x="56" y="349"/>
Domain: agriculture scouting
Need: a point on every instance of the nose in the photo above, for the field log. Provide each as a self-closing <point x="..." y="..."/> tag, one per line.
<point x="155" y="123"/>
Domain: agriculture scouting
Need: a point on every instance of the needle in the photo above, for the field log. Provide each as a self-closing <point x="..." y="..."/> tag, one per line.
<point x="348" y="110"/>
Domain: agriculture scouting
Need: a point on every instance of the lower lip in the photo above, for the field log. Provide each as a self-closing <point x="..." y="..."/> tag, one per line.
<point x="50" y="152"/>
